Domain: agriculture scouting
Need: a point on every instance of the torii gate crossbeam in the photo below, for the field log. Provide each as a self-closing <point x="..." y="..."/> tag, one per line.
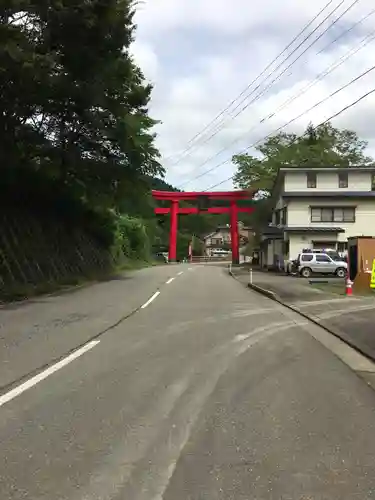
<point x="174" y="198"/>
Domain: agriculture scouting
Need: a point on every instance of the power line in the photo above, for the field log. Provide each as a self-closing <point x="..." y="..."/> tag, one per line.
<point x="260" y="94"/>
<point x="260" y="75"/>
<point x="332" y="94"/>
<point x="368" y="39"/>
<point x="372" y="91"/>
<point x="300" y="115"/>
<point x="221" y="124"/>
<point x="364" y="96"/>
<point x="365" y="41"/>
<point x="355" y="25"/>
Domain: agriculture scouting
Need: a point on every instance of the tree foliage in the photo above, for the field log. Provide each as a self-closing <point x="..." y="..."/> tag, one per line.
<point x="322" y="146"/>
<point x="73" y="104"/>
<point x="75" y="132"/>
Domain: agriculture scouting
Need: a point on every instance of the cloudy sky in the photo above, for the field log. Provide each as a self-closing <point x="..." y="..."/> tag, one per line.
<point x="202" y="54"/>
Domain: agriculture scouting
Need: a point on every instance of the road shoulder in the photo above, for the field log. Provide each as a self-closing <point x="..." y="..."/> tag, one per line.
<point x="351" y="319"/>
<point x="37" y="333"/>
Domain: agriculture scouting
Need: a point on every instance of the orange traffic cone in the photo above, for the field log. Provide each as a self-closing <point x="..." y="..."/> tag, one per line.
<point x="348" y="288"/>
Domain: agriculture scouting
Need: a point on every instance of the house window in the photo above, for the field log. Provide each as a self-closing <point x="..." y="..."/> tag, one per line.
<point x="311" y="179"/>
<point x="216" y="241"/>
<point x="283" y="216"/>
<point x="286" y="247"/>
<point x="373" y="182"/>
<point x="332" y="214"/>
<point x="343" y="179"/>
<point x="342" y="246"/>
<point x="322" y="245"/>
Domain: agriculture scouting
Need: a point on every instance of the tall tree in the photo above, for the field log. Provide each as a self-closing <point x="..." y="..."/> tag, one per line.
<point x="73" y="104"/>
<point x="322" y="146"/>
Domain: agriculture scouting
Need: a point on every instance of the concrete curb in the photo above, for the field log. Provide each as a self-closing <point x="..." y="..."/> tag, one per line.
<point x="231" y="273"/>
<point x="259" y="289"/>
<point x="335" y="332"/>
<point x="264" y="291"/>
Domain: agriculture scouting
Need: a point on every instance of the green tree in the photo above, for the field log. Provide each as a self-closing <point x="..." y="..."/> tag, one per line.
<point x="322" y="146"/>
<point x="73" y="104"/>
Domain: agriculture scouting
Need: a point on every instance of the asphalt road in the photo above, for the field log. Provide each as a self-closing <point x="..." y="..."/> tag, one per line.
<point x="209" y="391"/>
<point x="46" y="328"/>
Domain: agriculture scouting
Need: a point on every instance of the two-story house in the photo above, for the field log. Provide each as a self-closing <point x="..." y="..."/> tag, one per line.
<point x="221" y="238"/>
<point x="318" y="208"/>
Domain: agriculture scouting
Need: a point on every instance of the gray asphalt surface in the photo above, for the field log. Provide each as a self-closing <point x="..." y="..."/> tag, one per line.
<point x="350" y="318"/>
<point x="34" y="333"/>
<point x="209" y="392"/>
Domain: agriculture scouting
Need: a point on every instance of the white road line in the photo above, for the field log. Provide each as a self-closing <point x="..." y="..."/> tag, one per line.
<point x="181" y="272"/>
<point x="170" y="280"/>
<point x="150" y="300"/>
<point x="285" y="325"/>
<point x="190" y="268"/>
<point x="5" y="398"/>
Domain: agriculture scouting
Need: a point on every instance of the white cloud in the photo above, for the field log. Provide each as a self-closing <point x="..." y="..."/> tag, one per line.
<point x="146" y="58"/>
<point x="200" y="54"/>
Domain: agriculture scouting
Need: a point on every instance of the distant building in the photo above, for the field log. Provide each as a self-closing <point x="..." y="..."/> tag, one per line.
<point x="219" y="241"/>
<point x="318" y="208"/>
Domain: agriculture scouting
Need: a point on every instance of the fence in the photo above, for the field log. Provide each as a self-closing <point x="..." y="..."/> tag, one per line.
<point x="205" y="258"/>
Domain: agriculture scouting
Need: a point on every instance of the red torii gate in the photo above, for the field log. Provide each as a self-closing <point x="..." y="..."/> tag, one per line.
<point x="174" y="209"/>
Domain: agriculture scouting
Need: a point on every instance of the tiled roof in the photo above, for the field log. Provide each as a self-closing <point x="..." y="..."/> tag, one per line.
<point x="315" y="229"/>
<point x="307" y="168"/>
<point x="328" y="194"/>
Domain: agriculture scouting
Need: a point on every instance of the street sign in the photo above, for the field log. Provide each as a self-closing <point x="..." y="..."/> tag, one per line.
<point x="372" y="282"/>
<point x="204" y="203"/>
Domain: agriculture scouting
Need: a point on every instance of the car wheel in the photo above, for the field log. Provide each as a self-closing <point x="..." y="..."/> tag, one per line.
<point x="306" y="272"/>
<point x="341" y="272"/>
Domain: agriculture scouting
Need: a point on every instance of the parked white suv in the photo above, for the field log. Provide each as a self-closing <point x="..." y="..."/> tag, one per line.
<point x="320" y="263"/>
<point x="290" y="265"/>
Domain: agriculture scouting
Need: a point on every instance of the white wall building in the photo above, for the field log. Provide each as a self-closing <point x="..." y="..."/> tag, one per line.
<point x="222" y="238"/>
<point x="318" y="208"/>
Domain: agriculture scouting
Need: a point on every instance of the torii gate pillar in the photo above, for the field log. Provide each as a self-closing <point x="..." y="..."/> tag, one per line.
<point x="173" y="232"/>
<point x="234" y="233"/>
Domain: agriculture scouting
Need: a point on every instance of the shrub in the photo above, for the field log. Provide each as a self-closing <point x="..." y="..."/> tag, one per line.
<point x="131" y="239"/>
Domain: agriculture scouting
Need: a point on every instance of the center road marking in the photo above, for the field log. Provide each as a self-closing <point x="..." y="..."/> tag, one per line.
<point x="151" y="299"/>
<point x="5" y="398"/>
<point x="174" y="277"/>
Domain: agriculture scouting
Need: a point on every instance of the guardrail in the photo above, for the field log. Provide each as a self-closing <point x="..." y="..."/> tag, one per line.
<point x="205" y="258"/>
